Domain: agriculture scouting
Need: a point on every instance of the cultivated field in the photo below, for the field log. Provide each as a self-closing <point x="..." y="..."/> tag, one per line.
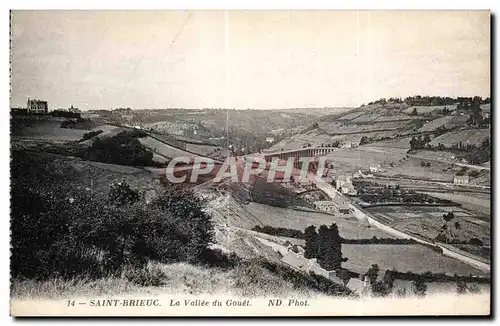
<point x="428" y="109"/>
<point x="467" y="137"/>
<point x="427" y="221"/>
<point x="446" y="121"/>
<point x="400" y="143"/>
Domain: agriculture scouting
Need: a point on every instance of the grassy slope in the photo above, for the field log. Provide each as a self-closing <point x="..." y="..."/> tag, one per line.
<point x="181" y="279"/>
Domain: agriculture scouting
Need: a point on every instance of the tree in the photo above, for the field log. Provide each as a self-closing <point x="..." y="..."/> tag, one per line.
<point x="448" y="216"/>
<point x="363" y="140"/>
<point x="419" y="287"/>
<point x="461" y="286"/>
<point x="414" y="112"/>
<point x="311" y="238"/>
<point x="372" y="273"/>
<point x="427" y="138"/>
<point x="330" y="248"/>
<point x="344" y="275"/>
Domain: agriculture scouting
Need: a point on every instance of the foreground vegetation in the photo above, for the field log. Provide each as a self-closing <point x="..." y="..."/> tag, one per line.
<point x="68" y="237"/>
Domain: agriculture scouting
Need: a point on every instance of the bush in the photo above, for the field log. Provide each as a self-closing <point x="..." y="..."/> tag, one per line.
<point x="65" y="114"/>
<point x="91" y="134"/>
<point x="476" y="242"/>
<point x="123" y="149"/>
<point x="60" y="231"/>
<point x="281" y="232"/>
<point x="474" y="173"/>
<point x="217" y="258"/>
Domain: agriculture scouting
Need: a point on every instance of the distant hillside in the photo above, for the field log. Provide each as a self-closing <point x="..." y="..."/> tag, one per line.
<point x="375" y="122"/>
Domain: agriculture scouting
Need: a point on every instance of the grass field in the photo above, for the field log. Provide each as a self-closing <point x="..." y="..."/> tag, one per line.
<point x="412" y="168"/>
<point x="299" y="220"/>
<point x="164" y="149"/>
<point x="47" y="130"/>
<point x="403" y="258"/>
<point x="86" y="174"/>
<point x="476" y="202"/>
<point x="360" y="158"/>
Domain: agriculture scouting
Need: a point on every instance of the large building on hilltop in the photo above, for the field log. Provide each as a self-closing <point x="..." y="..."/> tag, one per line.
<point x="37" y="106"/>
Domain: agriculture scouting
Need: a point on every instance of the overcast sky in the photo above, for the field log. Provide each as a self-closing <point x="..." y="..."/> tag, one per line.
<point x="257" y="59"/>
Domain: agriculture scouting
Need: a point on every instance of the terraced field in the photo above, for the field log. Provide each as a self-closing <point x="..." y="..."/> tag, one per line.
<point x="447" y="121"/>
<point x="428" y="109"/>
<point x="467" y="137"/>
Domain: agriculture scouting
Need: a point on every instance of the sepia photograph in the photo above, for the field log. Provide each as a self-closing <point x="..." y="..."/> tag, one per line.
<point x="250" y="163"/>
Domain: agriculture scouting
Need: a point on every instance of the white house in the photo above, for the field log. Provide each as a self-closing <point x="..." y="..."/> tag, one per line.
<point x="461" y="179"/>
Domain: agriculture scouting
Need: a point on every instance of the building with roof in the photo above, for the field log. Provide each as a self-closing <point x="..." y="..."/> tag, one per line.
<point x="37" y="107"/>
<point x="344" y="184"/>
<point x="461" y="179"/>
<point x="331" y="206"/>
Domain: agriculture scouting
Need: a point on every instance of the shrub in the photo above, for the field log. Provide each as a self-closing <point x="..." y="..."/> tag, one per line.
<point x="277" y="231"/>
<point x="60" y="231"/>
<point x="476" y="242"/>
<point x="419" y="287"/>
<point x="124" y="149"/>
<point x="474" y="173"/>
<point x="217" y="258"/>
<point x="91" y="134"/>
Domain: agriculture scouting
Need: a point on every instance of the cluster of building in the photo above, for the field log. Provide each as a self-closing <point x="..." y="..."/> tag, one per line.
<point x="331" y="206"/>
<point x="350" y="144"/>
<point x="343" y="183"/>
<point x="36" y="106"/>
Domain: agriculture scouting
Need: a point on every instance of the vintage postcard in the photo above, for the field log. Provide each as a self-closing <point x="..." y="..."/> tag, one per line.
<point x="250" y="163"/>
